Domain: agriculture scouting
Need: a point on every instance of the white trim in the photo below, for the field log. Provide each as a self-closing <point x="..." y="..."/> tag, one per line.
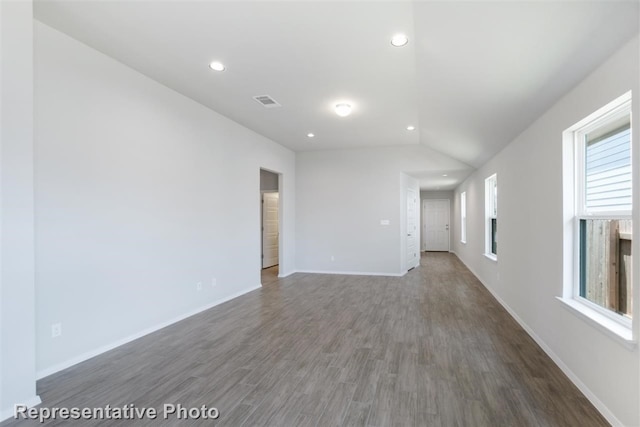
<point x="608" y="326"/>
<point x="492" y="257"/>
<point x="352" y="273"/>
<point x="599" y="216"/>
<point x="463" y="217"/>
<point x="600" y="406"/>
<point x="603" y="113"/>
<point x="7" y="413"/>
<point x="283" y="275"/>
<point x="574" y="210"/>
<point x="95" y="352"/>
<point x="596" y="312"/>
<point x="614" y="110"/>
<point x="490" y="212"/>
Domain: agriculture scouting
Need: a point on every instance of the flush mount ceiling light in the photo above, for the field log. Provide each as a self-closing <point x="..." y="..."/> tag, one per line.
<point x="399" y="40"/>
<point x="343" y="109"/>
<point x="444" y="174"/>
<point x="310" y="135"/>
<point x="411" y="127"/>
<point x="217" y="66"/>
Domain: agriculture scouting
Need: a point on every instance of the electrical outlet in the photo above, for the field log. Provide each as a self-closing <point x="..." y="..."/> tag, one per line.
<point x="214" y="282"/>
<point x="199" y="286"/>
<point x="333" y="258"/>
<point x="56" y="330"/>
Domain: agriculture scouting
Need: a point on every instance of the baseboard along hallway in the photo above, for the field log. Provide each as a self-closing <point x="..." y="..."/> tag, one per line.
<point x="432" y="348"/>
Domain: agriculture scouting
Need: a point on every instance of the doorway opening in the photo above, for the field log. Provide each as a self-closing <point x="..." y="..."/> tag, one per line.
<point x="270" y="204"/>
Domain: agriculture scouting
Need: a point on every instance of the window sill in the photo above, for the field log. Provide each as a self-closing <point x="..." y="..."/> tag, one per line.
<point x="610" y="327"/>
<point x="492" y="257"/>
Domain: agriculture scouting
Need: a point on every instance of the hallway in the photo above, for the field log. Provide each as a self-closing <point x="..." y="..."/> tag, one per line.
<point x="432" y="348"/>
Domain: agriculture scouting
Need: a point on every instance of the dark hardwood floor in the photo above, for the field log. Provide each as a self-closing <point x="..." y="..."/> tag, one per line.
<point x="432" y="348"/>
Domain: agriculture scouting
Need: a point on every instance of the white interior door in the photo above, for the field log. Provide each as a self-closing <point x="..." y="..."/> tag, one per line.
<point x="270" y="229"/>
<point x="436" y="225"/>
<point x="413" y="256"/>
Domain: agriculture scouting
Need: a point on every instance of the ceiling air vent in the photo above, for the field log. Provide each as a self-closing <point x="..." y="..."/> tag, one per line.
<point x="266" y="101"/>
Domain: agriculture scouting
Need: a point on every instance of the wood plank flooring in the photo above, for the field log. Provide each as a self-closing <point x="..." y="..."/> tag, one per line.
<point x="432" y="348"/>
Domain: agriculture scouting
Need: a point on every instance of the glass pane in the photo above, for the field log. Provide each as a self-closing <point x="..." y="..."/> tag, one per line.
<point x="608" y="170"/>
<point x="605" y="263"/>
<point x="463" y="216"/>
<point x="495" y="196"/>
<point x="494" y="236"/>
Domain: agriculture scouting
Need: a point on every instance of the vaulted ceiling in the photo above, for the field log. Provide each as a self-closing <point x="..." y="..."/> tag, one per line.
<point x="472" y="77"/>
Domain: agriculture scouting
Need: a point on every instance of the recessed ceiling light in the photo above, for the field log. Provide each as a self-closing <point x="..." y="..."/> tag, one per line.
<point x="217" y="66"/>
<point x="411" y="128"/>
<point x="444" y="174"/>
<point x="399" y="40"/>
<point x="343" y="109"/>
<point x="310" y="135"/>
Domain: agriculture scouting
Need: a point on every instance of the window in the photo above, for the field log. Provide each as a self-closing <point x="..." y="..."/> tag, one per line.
<point x="463" y="217"/>
<point x="491" y="216"/>
<point x="600" y="190"/>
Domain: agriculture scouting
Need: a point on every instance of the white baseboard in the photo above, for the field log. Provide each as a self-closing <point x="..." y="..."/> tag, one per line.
<point x="95" y="352"/>
<point x="352" y="273"/>
<point x="283" y="275"/>
<point x="29" y="403"/>
<point x="600" y="406"/>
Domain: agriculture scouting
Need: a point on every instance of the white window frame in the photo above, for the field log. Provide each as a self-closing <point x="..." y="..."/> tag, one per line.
<point x="575" y="210"/>
<point x="463" y="217"/>
<point x="617" y="112"/>
<point x="491" y="212"/>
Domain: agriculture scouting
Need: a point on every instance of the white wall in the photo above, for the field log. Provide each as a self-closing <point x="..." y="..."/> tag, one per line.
<point x="435" y="195"/>
<point x="17" y="293"/>
<point x="341" y="197"/>
<point x="528" y="277"/>
<point x="141" y="193"/>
